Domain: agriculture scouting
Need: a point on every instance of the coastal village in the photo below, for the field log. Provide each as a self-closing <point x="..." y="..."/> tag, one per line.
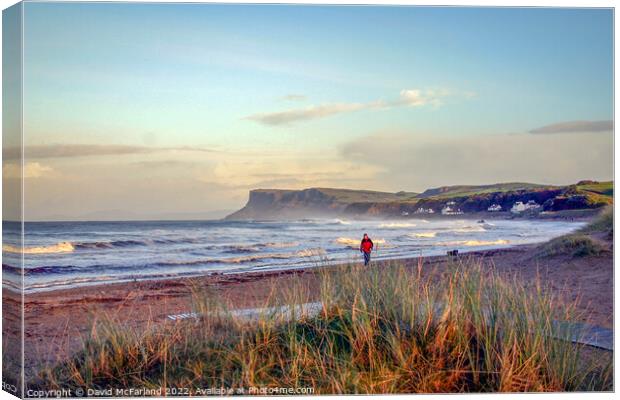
<point x="450" y="208"/>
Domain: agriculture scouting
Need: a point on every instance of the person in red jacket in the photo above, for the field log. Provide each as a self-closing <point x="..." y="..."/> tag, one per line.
<point x="366" y="248"/>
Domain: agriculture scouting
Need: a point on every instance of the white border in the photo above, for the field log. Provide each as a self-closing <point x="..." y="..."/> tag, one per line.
<point x="479" y="3"/>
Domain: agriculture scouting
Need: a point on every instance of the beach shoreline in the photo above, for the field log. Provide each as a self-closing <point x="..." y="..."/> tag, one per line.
<point x="148" y="257"/>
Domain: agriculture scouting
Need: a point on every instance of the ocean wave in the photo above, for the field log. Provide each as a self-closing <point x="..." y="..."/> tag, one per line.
<point x="475" y="242"/>
<point x="72" y="282"/>
<point x="228" y="260"/>
<point x="397" y="225"/>
<point x="69" y="247"/>
<point x="335" y="221"/>
<point x="423" y="234"/>
<point x="68" y="269"/>
<point x="316" y="252"/>
<point x="356" y="242"/>
<point x="62" y="247"/>
<point x="251" y="248"/>
<point x="6" y="268"/>
<point x="469" y="229"/>
<point x="112" y="244"/>
<point x="234" y="249"/>
<point x="278" y="244"/>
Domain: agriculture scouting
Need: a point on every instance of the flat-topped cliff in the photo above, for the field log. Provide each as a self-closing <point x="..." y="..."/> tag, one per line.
<point x="271" y="204"/>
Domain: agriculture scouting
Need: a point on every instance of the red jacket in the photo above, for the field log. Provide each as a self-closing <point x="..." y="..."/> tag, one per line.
<point x="366" y="245"/>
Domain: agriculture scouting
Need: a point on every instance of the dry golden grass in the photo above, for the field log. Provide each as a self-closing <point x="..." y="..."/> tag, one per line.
<point x="380" y="330"/>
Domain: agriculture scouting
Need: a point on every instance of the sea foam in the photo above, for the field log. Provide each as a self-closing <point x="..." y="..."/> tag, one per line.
<point x="424" y="234"/>
<point x="397" y="225"/>
<point x="62" y="247"/>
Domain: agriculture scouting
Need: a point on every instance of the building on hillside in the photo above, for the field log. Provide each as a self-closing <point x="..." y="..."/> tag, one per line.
<point x="450" y="209"/>
<point x="520" y="207"/>
<point x="423" y="210"/>
<point x="494" y="208"/>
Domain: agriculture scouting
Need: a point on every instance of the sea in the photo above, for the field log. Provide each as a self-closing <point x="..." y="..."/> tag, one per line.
<point x="59" y="255"/>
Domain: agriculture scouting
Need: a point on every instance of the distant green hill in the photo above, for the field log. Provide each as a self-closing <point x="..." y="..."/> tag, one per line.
<point x="601" y="188"/>
<point x="469" y="190"/>
<point x="349" y="196"/>
<point x="329" y="202"/>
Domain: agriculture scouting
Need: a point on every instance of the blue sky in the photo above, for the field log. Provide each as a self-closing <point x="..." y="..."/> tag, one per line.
<point x="233" y="97"/>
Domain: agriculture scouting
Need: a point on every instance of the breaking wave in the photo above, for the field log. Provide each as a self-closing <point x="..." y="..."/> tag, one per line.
<point x="69" y="247"/>
<point x="62" y="247"/>
<point x="278" y="244"/>
<point x="311" y="252"/>
<point x="397" y="225"/>
<point x="469" y="229"/>
<point x="424" y="234"/>
<point x="356" y="242"/>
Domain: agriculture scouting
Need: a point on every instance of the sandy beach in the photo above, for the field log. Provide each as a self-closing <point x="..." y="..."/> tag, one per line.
<point x="55" y="322"/>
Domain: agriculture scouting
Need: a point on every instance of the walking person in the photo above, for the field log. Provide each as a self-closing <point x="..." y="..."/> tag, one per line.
<point x="366" y="248"/>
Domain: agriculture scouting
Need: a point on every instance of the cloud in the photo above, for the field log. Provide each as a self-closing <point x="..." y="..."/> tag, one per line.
<point x="305" y="114"/>
<point x="418" y="161"/>
<point x="84" y="150"/>
<point x="418" y="98"/>
<point x="164" y="164"/>
<point x="576" y="126"/>
<point x="294" y="97"/>
<point x="408" y="98"/>
<point x="30" y="170"/>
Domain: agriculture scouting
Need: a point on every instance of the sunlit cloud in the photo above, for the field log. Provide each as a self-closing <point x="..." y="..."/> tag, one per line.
<point x="305" y="114"/>
<point x="419" y="98"/>
<point x="294" y="97"/>
<point x="576" y="126"/>
<point x="30" y="170"/>
<point x="85" y="150"/>
<point x="407" y="98"/>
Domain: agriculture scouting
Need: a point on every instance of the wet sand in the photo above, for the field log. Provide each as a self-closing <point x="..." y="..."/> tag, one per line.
<point x="55" y="322"/>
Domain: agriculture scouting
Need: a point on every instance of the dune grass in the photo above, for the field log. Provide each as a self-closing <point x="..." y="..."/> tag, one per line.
<point x="575" y="245"/>
<point x="603" y="223"/>
<point x="380" y="330"/>
<point x="581" y="243"/>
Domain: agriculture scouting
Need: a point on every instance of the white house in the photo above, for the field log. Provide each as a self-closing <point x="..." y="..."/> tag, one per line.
<point x="423" y="210"/>
<point x="494" y="208"/>
<point x="449" y="210"/>
<point x="532" y="205"/>
<point x="519" y="207"/>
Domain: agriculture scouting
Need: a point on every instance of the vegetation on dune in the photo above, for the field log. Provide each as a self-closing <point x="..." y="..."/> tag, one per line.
<point x="575" y="245"/>
<point x="604" y="222"/>
<point x="583" y="242"/>
<point x="380" y="330"/>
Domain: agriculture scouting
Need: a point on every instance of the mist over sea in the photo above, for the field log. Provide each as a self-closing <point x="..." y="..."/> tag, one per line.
<point x="68" y="254"/>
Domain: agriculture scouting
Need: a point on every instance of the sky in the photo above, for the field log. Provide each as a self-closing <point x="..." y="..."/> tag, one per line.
<point x="149" y="111"/>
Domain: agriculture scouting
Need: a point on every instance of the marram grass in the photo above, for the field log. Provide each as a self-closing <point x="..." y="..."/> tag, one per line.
<point x="386" y="329"/>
